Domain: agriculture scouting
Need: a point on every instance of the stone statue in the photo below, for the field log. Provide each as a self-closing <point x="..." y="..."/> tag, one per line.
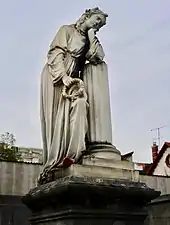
<point x="74" y="54"/>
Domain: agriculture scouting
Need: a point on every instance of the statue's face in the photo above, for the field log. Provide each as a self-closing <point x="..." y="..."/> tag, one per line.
<point x="96" y="21"/>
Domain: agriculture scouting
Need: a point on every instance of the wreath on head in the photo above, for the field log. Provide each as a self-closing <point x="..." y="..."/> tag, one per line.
<point x="74" y="90"/>
<point x="88" y="13"/>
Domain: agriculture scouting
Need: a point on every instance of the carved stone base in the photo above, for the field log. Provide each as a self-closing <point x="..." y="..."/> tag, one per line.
<point x="111" y="163"/>
<point x="101" y="159"/>
<point x="83" y="200"/>
<point x="90" y="170"/>
<point x="102" y="150"/>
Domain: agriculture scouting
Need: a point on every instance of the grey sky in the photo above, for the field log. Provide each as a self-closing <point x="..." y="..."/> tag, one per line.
<point x="137" y="46"/>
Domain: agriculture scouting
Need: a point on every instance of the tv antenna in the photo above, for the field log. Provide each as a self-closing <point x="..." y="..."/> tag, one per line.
<point x="158" y="134"/>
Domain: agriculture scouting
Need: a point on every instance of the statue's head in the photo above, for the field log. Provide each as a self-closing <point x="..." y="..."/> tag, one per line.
<point x="92" y="18"/>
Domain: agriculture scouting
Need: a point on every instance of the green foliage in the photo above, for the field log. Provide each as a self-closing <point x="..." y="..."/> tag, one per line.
<point x="8" y="150"/>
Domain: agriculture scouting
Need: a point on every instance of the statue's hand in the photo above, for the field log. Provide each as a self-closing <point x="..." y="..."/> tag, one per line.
<point x="91" y="34"/>
<point x="67" y="80"/>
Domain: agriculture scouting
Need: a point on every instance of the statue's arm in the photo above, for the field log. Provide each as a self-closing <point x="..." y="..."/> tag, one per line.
<point x="56" y="67"/>
<point x="95" y="53"/>
<point x="56" y="55"/>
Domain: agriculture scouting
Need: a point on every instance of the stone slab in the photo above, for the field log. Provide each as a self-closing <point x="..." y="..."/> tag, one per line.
<point x="93" y="171"/>
<point x="96" y="161"/>
<point x="83" y="200"/>
<point x="102" y="150"/>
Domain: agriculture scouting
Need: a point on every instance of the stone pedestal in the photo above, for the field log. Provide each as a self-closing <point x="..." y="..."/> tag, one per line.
<point x="76" y="200"/>
<point x="93" y="171"/>
<point x="96" y="83"/>
<point x="102" y="150"/>
<point x="102" y="190"/>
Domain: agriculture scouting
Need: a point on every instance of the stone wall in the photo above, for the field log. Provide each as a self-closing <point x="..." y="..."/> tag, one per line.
<point x="159" y="183"/>
<point x="19" y="178"/>
<point x="16" y="179"/>
<point x="13" y="211"/>
<point x="159" y="211"/>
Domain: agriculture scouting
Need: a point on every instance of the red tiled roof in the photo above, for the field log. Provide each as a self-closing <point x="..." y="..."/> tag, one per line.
<point x="152" y="167"/>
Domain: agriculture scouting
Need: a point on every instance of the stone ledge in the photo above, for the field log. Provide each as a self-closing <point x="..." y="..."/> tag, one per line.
<point x="113" y="163"/>
<point x="93" y="171"/>
<point x="103" y="150"/>
<point x="85" y="213"/>
<point x="161" y="199"/>
<point x="85" y="189"/>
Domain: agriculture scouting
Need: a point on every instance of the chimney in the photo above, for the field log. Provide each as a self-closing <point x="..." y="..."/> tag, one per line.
<point x="154" y="151"/>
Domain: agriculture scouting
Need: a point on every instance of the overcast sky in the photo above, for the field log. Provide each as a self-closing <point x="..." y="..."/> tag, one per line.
<point x="137" y="47"/>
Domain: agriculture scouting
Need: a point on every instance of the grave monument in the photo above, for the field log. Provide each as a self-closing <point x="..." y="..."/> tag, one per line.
<point x="84" y="179"/>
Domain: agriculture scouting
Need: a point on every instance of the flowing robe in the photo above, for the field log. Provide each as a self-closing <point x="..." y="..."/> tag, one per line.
<point x="63" y="123"/>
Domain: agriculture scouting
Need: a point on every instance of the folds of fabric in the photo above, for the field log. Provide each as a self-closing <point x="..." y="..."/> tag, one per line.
<point x="63" y="123"/>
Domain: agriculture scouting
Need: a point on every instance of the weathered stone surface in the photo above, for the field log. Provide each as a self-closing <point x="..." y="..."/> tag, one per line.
<point x="85" y="200"/>
<point x="159" y="211"/>
<point x="99" y="116"/>
<point x="112" y="163"/>
<point x="102" y="172"/>
<point x="102" y="150"/>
